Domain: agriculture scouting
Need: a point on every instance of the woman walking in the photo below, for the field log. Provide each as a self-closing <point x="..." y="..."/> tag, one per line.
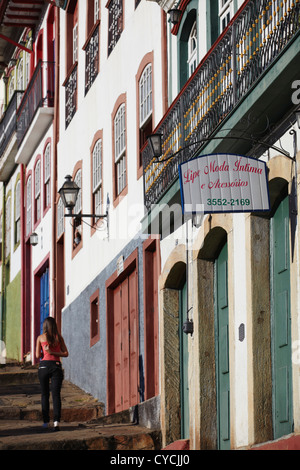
<point x="50" y="346"/>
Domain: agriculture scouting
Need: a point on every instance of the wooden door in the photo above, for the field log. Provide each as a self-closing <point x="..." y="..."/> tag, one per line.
<point x="222" y="350"/>
<point x="281" y="314"/>
<point x="125" y="343"/>
<point x="151" y="269"/>
<point x="184" y="361"/>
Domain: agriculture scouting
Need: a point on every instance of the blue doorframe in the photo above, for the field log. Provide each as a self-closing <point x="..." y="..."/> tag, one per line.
<point x="44" y="297"/>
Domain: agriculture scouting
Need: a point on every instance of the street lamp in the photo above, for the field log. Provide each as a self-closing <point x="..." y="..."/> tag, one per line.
<point x="155" y="144"/>
<point x="69" y="193"/>
<point x="34" y="239"/>
<point x="174" y="15"/>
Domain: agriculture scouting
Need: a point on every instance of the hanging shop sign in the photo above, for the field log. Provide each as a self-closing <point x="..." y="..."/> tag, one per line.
<point x="224" y="183"/>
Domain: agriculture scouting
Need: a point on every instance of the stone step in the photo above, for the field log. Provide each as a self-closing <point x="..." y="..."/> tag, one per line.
<point x="72" y="436"/>
<point x="20" y="397"/>
<point x="83" y="424"/>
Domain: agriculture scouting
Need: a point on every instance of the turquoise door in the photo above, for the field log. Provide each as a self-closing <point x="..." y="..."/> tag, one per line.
<point x="44" y="298"/>
<point x="281" y="321"/>
<point x="184" y="360"/>
<point x="222" y="349"/>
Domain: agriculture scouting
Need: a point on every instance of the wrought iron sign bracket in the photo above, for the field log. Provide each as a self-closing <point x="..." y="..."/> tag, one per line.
<point x="249" y="139"/>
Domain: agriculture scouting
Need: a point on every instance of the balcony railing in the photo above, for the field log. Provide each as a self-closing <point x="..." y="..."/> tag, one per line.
<point x="71" y="94"/>
<point x="8" y="123"/>
<point x="39" y="93"/>
<point x="91" y="58"/>
<point x="249" y="45"/>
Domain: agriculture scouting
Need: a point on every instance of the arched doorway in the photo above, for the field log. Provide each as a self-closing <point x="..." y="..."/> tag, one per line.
<point x="213" y="330"/>
<point x="174" y="358"/>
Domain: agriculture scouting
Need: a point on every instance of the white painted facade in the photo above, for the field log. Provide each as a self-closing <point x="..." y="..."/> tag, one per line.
<point x="117" y="76"/>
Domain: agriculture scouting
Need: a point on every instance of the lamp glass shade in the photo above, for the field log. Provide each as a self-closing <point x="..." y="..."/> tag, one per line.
<point x="155" y="143"/>
<point x="174" y="15"/>
<point x="69" y="192"/>
<point x="34" y="239"/>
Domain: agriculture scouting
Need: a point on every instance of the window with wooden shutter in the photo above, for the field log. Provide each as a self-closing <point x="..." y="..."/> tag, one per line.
<point x="97" y="178"/>
<point x="28" y="206"/>
<point x="120" y="149"/>
<point x="37" y="192"/>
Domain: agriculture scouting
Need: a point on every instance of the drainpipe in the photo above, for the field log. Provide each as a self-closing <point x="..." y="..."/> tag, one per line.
<point x="23" y="267"/>
<point x="3" y="266"/>
<point x="54" y="175"/>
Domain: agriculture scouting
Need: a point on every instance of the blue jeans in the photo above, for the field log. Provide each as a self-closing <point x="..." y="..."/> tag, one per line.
<point x="50" y="370"/>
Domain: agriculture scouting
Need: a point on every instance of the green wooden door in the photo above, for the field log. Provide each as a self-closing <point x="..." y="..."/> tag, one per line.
<point x="281" y="321"/>
<point x="222" y="349"/>
<point x="184" y="360"/>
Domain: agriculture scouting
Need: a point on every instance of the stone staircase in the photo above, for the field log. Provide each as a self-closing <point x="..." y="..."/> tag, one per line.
<point x="83" y="424"/>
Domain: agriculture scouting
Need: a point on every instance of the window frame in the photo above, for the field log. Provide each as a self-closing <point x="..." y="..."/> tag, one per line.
<point x="20" y="74"/>
<point x="187" y="24"/>
<point x="115" y="23"/>
<point x="224" y="10"/>
<point x="119" y="156"/>
<point x="192" y="52"/>
<point x="72" y="13"/>
<point x="17" y="215"/>
<point x="60" y="220"/>
<point x="95" y="317"/>
<point x="8" y="225"/>
<point x="77" y="223"/>
<point x="37" y="212"/>
<point x="144" y="126"/>
<point x="96" y="11"/>
<point x="47" y="176"/>
<point x="96" y="185"/>
<point x="28" y="204"/>
<point x="120" y="149"/>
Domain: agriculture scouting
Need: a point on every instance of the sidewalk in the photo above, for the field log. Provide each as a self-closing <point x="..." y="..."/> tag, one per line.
<point x="83" y="426"/>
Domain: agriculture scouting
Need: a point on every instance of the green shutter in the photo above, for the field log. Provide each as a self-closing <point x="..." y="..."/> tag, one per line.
<point x="222" y="349"/>
<point x="281" y="321"/>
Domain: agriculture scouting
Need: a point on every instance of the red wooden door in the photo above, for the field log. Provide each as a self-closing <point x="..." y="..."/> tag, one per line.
<point x="133" y="339"/>
<point x="125" y="391"/>
<point x="151" y="262"/>
<point x="125" y="343"/>
<point x="118" y="348"/>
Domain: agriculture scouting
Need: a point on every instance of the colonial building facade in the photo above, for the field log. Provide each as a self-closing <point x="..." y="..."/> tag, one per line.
<point x="113" y="88"/>
<point x="233" y="380"/>
<point x="195" y="318"/>
<point x="27" y="154"/>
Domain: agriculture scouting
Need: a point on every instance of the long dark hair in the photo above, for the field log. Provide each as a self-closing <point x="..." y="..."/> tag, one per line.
<point x="51" y="331"/>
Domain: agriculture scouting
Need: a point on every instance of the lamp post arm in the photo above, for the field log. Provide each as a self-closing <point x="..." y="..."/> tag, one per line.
<point x="91" y="216"/>
<point x="274" y="147"/>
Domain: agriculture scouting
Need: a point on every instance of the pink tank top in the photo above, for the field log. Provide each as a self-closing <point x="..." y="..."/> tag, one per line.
<point x="50" y="357"/>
